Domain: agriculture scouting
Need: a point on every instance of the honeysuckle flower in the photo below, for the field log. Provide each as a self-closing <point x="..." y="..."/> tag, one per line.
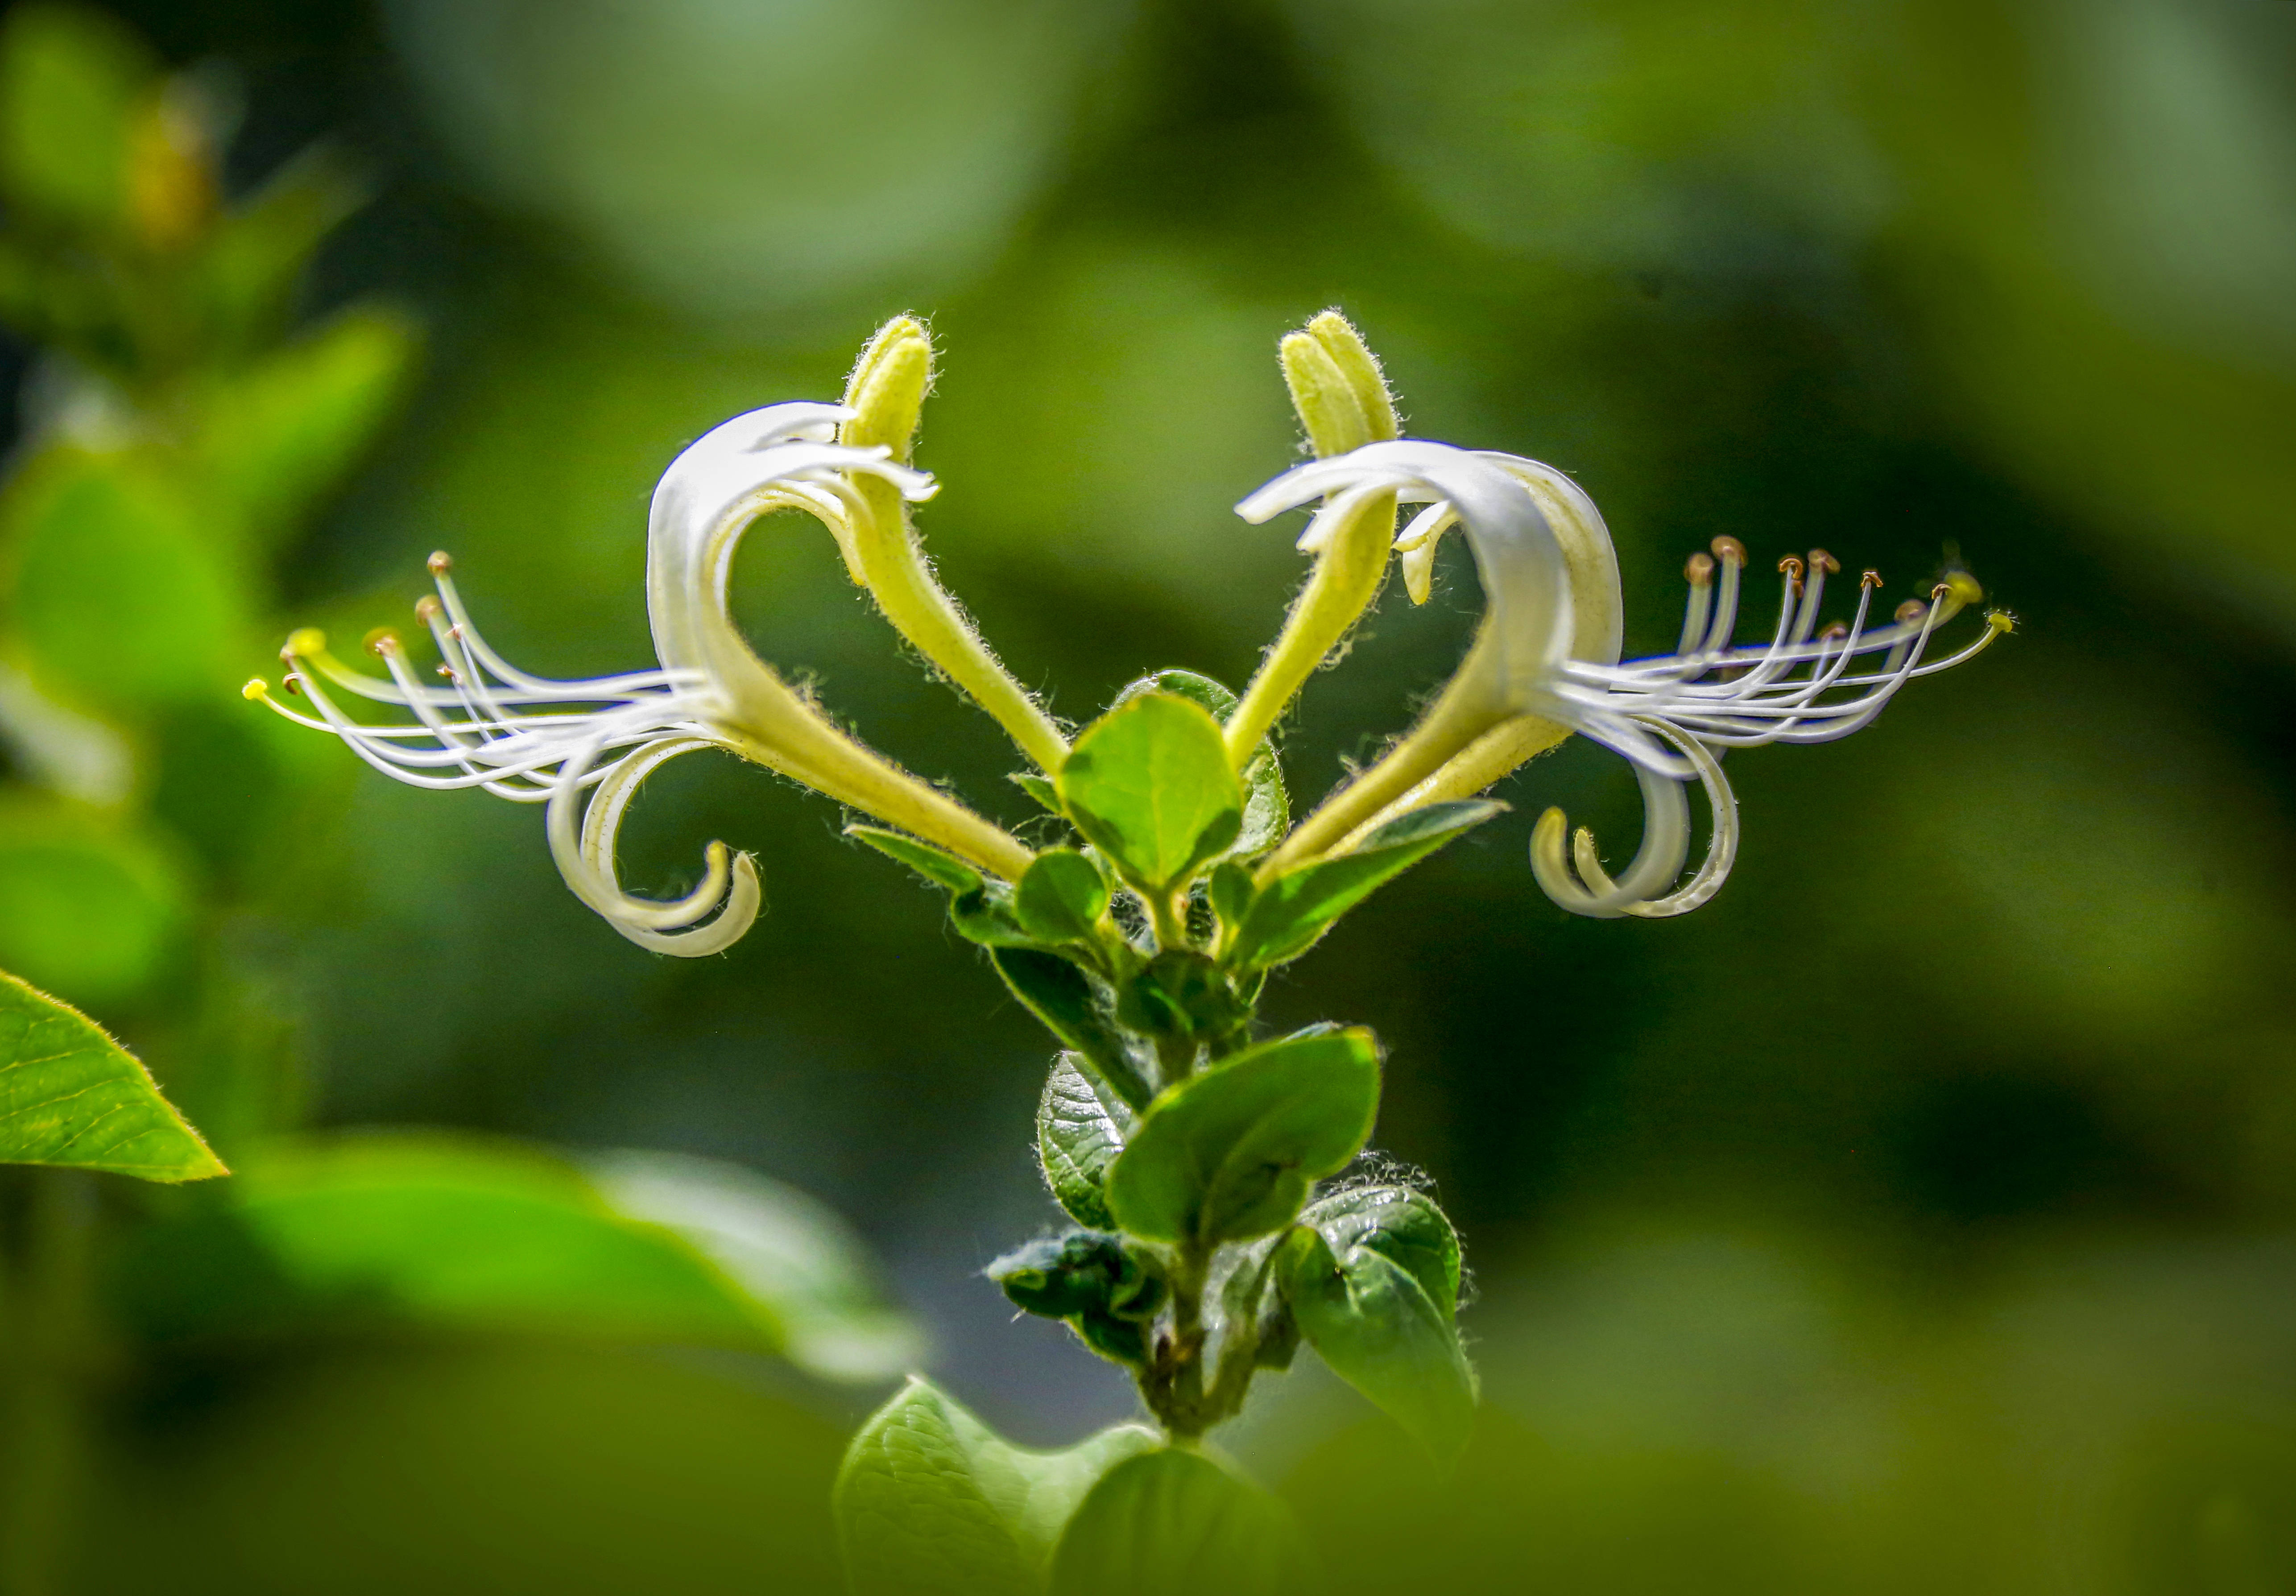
<point x="581" y="748"/>
<point x="1546" y="664"/>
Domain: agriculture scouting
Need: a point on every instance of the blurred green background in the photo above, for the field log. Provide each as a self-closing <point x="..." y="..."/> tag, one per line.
<point x="1916" y="1216"/>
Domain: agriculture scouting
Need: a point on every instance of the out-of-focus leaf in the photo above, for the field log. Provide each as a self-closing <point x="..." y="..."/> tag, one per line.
<point x="1169" y="1523"/>
<point x="1076" y="1009"/>
<point x="1289" y="913"/>
<point x="258" y="249"/>
<point x="72" y="1097"/>
<point x="71" y="83"/>
<point x="1371" y="1322"/>
<point x="124" y="589"/>
<point x="931" y="1499"/>
<point x="275" y="435"/>
<point x="788" y="1250"/>
<point x="1078" y="1138"/>
<point x="1231" y="1153"/>
<point x="1267" y="806"/>
<point x="447" y="1232"/>
<point x="1149" y="784"/>
<point x="1402" y="1225"/>
<point x="1060" y="897"/>
<point x="88" y="906"/>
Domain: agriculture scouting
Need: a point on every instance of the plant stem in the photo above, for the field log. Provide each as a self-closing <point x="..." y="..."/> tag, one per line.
<point x="44" y="1342"/>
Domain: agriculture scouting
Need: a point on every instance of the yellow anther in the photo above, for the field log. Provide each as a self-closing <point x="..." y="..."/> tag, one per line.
<point x="441" y="562"/>
<point x="256" y="690"/>
<point x="304" y="642"/>
<point x="1700" y="570"/>
<point x="1820" y="560"/>
<point x="1729" y="551"/>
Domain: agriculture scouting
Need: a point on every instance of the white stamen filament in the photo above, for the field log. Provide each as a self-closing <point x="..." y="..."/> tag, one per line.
<point x="1669" y="718"/>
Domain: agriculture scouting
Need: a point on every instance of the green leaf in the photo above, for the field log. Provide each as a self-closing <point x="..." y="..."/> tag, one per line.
<point x="71" y="83"/>
<point x="1369" y="1319"/>
<point x="1077" y="1009"/>
<point x="930" y="1499"/>
<point x="787" y="1250"/>
<point x="445" y="1232"/>
<point x="1230" y="891"/>
<point x="1403" y="1226"/>
<point x="1267" y="806"/>
<point x="1169" y="1523"/>
<point x="89" y="907"/>
<point x="1039" y="788"/>
<point x="1060" y="897"/>
<point x="1149" y="785"/>
<point x="259" y="248"/>
<point x="125" y="588"/>
<point x="1232" y="1153"/>
<point x="941" y="869"/>
<point x="277" y="434"/>
<point x="1297" y="907"/>
<point x="1078" y="1137"/>
<point x="71" y="1096"/>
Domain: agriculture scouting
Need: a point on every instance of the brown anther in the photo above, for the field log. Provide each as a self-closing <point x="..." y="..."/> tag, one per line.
<point x="293" y="684"/>
<point x="1872" y="578"/>
<point x="1819" y="560"/>
<point x="1699" y="570"/>
<point x="1940" y="590"/>
<point x="456" y="631"/>
<point x="425" y="608"/>
<point x="1730" y="550"/>
<point x="1790" y="568"/>
<point x="382" y="640"/>
<point x="448" y="671"/>
<point x="440" y="563"/>
<point x="1911" y="611"/>
<point x="1833" y="631"/>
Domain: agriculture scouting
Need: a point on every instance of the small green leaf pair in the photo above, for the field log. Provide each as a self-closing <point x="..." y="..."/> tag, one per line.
<point x="931" y="1499"/>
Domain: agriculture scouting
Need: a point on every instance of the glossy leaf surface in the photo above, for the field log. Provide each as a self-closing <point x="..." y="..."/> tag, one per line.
<point x="1369" y="1319"/>
<point x="930" y="1499"/>
<point x="1148" y="783"/>
<point x="1232" y="1153"/>
<point x="1078" y="1138"/>
<point x="1403" y="1226"/>
<point x="71" y="1096"/>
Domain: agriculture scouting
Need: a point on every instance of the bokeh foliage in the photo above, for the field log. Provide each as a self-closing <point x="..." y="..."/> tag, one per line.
<point x="1926" y="1181"/>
